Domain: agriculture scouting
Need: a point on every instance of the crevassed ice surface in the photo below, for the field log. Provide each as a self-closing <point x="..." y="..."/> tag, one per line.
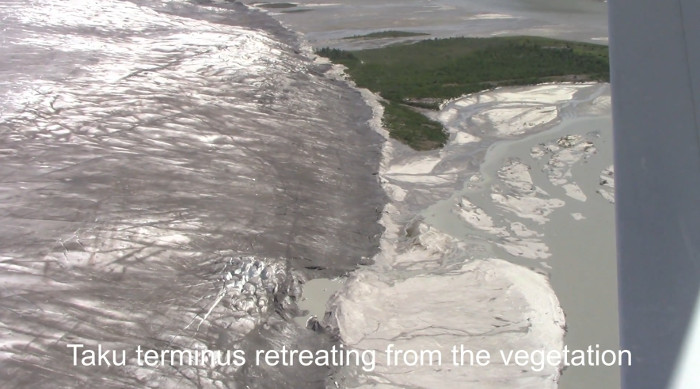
<point x="169" y="172"/>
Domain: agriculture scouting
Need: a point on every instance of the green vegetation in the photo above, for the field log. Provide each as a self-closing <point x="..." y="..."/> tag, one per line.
<point x="387" y="34"/>
<point x="276" y="5"/>
<point x="422" y="74"/>
<point x="412" y="127"/>
<point x="296" y="10"/>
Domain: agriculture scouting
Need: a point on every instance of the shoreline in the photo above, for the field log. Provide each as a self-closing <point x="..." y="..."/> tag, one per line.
<point x="481" y="18"/>
<point x="535" y="253"/>
<point x="575" y="247"/>
<point x="388" y="260"/>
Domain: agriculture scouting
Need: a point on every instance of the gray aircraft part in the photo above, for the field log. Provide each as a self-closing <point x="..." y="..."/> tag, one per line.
<point x="655" y="60"/>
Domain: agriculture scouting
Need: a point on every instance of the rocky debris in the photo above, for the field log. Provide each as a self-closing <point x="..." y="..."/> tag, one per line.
<point x="607" y="184"/>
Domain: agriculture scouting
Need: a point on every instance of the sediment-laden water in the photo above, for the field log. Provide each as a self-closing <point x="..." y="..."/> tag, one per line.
<point x="175" y="174"/>
<point x="330" y="23"/>
<point x="503" y="240"/>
